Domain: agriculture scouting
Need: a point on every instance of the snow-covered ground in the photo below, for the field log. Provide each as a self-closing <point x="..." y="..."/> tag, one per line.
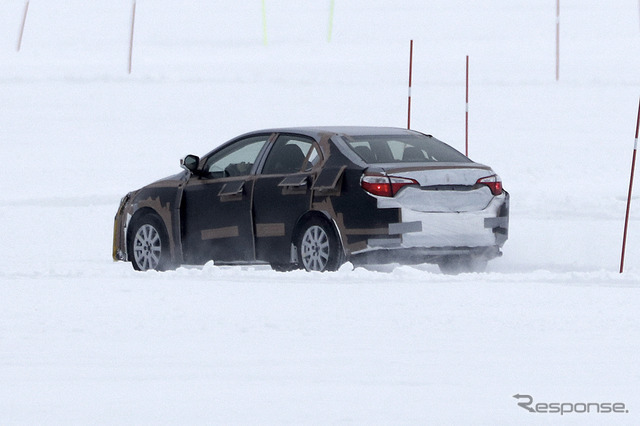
<point x="85" y="340"/>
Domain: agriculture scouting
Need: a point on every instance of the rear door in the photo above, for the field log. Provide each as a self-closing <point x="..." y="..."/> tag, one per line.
<point x="282" y="194"/>
<point x="217" y="221"/>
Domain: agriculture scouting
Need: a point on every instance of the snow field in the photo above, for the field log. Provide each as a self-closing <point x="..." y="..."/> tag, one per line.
<point x="84" y="340"/>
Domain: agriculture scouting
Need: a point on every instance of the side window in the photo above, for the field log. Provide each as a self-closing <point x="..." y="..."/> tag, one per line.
<point x="313" y="158"/>
<point x="236" y="159"/>
<point x="291" y="154"/>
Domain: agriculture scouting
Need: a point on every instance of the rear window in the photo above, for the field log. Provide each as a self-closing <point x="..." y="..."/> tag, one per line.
<point x="403" y="149"/>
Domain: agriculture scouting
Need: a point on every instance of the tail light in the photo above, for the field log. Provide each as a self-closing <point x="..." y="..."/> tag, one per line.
<point x="493" y="182"/>
<point x="383" y="185"/>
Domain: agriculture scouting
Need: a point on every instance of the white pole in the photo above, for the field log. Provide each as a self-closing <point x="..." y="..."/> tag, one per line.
<point x="133" y="22"/>
<point x="557" y="40"/>
<point x="466" y="112"/>
<point x="410" y="72"/>
<point x="24" y="20"/>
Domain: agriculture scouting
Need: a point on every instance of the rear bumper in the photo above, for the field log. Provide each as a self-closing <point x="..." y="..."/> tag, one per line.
<point x="430" y="235"/>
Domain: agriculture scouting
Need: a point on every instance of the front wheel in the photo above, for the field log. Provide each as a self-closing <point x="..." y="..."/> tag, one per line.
<point x="318" y="247"/>
<point x="149" y="246"/>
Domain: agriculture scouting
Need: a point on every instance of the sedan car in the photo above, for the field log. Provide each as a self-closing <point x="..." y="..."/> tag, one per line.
<point x="315" y="198"/>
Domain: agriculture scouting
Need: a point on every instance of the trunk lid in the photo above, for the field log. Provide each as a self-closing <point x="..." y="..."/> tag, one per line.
<point x="457" y="174"/>
<point x="445" y="187"/>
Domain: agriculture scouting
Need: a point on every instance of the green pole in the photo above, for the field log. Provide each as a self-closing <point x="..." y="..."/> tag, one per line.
<point x="264" y="23"/>
<point x="331" y="8"/>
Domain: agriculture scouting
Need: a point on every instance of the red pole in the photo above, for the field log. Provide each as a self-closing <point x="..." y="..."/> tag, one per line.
<point x="410" y="70"/>
<point x="626" y="218"/>
<point x="133" y="21"/>
<point x="557" y="40"/>
<point x="466" y="114"/>
<point x="24" y="20"/>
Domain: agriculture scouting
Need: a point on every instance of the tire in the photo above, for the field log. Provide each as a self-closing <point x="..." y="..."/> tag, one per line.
<point x="149" y="244"/>
<point x="318" y="247"/>
<point x="284" y="267"/>
<point x="460" y="264"/>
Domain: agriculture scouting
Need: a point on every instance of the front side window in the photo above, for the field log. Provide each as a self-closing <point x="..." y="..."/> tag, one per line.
<point x="291" y="154"/>
<point x="236" y="159"/>
<point x="403" y="149"/>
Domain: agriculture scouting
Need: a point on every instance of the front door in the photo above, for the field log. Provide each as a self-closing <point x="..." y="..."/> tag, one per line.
<point x="217" y="221"/>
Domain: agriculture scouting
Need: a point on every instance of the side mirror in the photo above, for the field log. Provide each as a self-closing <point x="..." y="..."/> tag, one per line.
<point x="190" y="162"/>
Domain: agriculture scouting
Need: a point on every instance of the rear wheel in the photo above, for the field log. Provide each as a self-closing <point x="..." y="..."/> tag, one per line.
<point x="149" y="245"/>
<point x="318" y="247"/>
<point x="284" y="267"/>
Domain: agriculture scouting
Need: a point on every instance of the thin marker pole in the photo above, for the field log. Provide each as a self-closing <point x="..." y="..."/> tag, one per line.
<point x="24" y="20"/>
<point x="557" y="40"/>
<point x="133" y="22"/>
<point x="466" y="114"/>
<point x="332" y="6"/>
<point x="264" y="23"/>
<point x="633" y="166"/>
<point x="410" y="72"/>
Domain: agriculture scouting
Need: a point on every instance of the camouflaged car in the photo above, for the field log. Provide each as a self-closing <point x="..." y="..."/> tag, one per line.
<point x="315" y="198"/>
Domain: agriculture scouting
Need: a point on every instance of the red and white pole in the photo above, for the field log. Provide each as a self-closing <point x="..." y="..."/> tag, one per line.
<point x="24" y="20"/>
<point x="410" y="72"/>
<point x="633" y="166"/>
<point x="133" y="22"/>
<point x="466" y="114"/>
<point x="557" y="40"/>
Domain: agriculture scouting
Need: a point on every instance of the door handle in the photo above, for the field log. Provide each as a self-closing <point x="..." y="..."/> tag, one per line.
<point x="232" y="188"/>
<point x="295" y="181"/>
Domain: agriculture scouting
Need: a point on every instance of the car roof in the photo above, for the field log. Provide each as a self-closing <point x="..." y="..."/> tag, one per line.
<point x="318" y="131"/>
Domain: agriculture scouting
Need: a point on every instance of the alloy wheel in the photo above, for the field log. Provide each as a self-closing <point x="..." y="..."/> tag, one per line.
<point x="315" y="249"/>
<point x="147" y="247"/>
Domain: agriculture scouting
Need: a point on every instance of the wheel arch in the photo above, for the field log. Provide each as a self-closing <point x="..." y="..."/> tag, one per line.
<point x="324" y="216"/>
<point x="138" y="215"/>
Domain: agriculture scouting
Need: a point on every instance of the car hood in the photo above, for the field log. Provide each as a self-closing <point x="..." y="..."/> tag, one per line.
<point x="178" y="177"/>
<point x="169" y="181"/>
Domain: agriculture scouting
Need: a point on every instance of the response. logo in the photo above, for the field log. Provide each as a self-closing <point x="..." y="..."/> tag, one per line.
<point x="562" y="408"/>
